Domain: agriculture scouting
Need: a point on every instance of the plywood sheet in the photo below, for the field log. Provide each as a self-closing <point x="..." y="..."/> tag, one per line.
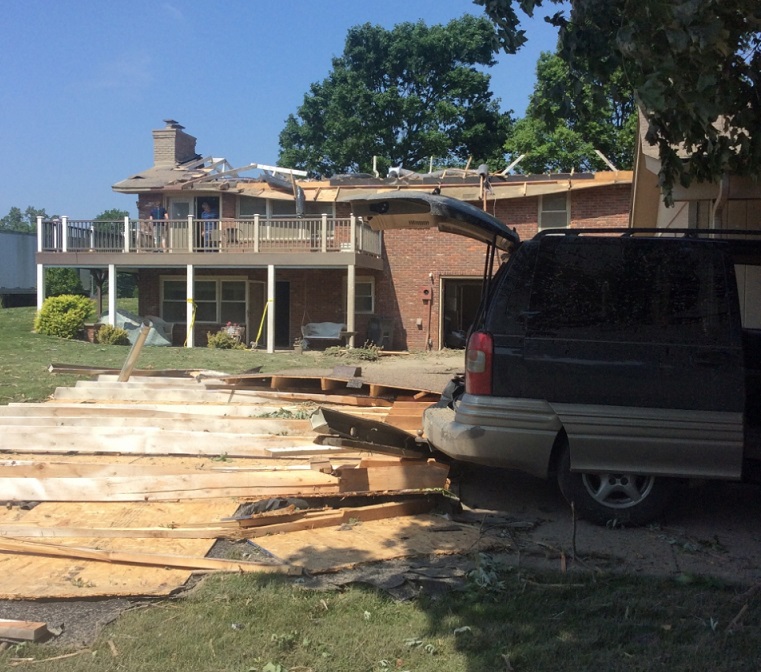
<point x="33" y="577"/>
<point x="331" y="549"/>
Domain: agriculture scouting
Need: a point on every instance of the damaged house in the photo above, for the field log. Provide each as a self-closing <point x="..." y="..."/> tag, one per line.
<point x="268" y="250"/>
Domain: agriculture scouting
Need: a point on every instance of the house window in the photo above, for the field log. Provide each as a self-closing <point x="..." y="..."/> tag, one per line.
<point x="217" y="301"/>
<point x="248" y="206"/>
<point x="553" y="211"/>
<point x="364" y="294"/>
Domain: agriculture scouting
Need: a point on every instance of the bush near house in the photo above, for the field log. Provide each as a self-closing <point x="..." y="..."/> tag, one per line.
<point x="63" y="316"/>
<point x="223" y="340"/>
<point x="108" y="335"/>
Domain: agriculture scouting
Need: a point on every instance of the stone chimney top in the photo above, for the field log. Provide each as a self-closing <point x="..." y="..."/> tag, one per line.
<point x="171" y="145"/>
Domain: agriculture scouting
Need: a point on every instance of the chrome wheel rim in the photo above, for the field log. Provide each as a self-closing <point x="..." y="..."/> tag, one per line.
<point x="618" y="491"/>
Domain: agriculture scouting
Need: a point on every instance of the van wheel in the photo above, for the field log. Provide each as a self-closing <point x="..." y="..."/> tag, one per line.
<point x="608" y="498"/>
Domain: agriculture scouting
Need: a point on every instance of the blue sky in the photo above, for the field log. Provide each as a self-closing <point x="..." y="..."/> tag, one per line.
<point x="84" y="82"/>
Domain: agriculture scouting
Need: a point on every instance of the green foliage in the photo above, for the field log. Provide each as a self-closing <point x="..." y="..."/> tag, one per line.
<point x="108" y="335"/>
<point x="60" y="281"/>
<point x="403" y="95"/>
<point x="222" y="340"/>
<point x="694" y="65"/>
<point x="568" y="118"/>
<point x="23" y="222"/>
<point x="113" y="215"/>
<point x="63" y="316"/>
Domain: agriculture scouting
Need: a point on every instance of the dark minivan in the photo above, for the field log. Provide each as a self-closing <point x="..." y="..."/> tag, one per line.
<point x="613" y="360"/>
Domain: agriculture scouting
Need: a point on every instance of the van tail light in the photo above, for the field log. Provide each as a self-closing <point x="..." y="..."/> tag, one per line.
<point x="478" y="360"/>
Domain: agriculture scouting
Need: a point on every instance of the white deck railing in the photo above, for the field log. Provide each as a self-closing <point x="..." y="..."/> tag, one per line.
<point x="257" y="234"/>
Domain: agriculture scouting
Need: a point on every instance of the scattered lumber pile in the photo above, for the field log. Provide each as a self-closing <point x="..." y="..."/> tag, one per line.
<point x="148" y="475"/>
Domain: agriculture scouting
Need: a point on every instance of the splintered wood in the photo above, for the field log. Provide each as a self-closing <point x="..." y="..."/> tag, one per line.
<point x="146" y="475"/>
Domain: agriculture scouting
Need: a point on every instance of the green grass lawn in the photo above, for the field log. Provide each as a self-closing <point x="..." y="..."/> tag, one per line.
<point x="506" y="619"/>
<point x="26" y="356"/>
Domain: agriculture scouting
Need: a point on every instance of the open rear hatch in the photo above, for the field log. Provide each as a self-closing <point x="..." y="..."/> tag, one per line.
<point x="397" y="210"/>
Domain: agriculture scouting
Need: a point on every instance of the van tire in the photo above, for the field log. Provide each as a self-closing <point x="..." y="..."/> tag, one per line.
<point x="613" y="499"/>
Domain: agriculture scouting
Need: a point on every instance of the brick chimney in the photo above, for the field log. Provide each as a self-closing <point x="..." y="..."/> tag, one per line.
<point x="171" y="145"/>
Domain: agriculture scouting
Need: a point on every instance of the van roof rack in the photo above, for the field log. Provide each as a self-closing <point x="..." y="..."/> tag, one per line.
<point x="628" y="232"/>
<point x="744" y="245"/>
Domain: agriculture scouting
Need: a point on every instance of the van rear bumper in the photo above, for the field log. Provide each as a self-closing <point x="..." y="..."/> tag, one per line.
<point x="495" y="431"/>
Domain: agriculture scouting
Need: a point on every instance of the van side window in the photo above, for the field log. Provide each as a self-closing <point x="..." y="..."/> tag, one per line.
<point x="509" y="307"/>
<point x="629" y="290"/>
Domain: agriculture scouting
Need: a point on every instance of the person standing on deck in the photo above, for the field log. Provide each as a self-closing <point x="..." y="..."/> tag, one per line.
<point x="207" y="214"/>
<point x="159" y="217"/>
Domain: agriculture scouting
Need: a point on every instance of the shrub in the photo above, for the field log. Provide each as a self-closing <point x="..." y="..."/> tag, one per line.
<point x="63" y="281"/>
<point x="108" y="335"/>
<point x="63" y="316"/>
<point x="223" y="341"/>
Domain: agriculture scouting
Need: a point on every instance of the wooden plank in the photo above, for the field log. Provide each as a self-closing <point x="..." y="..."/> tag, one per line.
<point x="248" y="426"/>
<point x="147" y="441"/>
<point x="407" y="476"/>
<point x="37" y="532"/>
<point x="67" y="469"/>
<point x="150" y="559"/>
<point x="154" y="488"/>
<point x="30" y="631"/>
<point x="95" y="370"/>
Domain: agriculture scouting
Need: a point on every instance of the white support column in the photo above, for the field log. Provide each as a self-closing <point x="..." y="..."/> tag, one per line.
<point x="126" y="233"/>
<point x="112" y="294"/>
<point x="324" y="233"/>
<point x="353" y="233"/>
<point x="39" y="233"/>
<point x="271" y="308"/>
<point x="40" y="286"/>
<point x="189" y="319"/>
<point x="65" y="233"/>
<point x="191" y="240"/>
<point x="256" y="233"/>
<point x="351" y="279"/>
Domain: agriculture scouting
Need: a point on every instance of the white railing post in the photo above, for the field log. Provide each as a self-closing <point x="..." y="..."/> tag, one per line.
<point x="92" y="236"/>
<point x="191" y="237"/>
<point x="324" y="233"/>
<point x="127" y="227"/>
<point x="256" y="233"/>
<point x="39" y="233"/>
<point x="65" y="233"/>
<point x="353" y="234"/>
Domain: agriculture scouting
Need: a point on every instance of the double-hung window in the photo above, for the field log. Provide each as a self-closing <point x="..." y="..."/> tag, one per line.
<point x="554" y="212"/>
<point x="217" y="300"/>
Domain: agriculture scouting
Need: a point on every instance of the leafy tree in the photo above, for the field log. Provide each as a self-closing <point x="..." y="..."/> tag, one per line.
<point x="112" y="215"/>
<point x="60" y="281"/>
<point x="24" y="222"/>
<point x="695" y="67"/>
<point x="403" y="95"/>
<point x="568" y="119"/>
